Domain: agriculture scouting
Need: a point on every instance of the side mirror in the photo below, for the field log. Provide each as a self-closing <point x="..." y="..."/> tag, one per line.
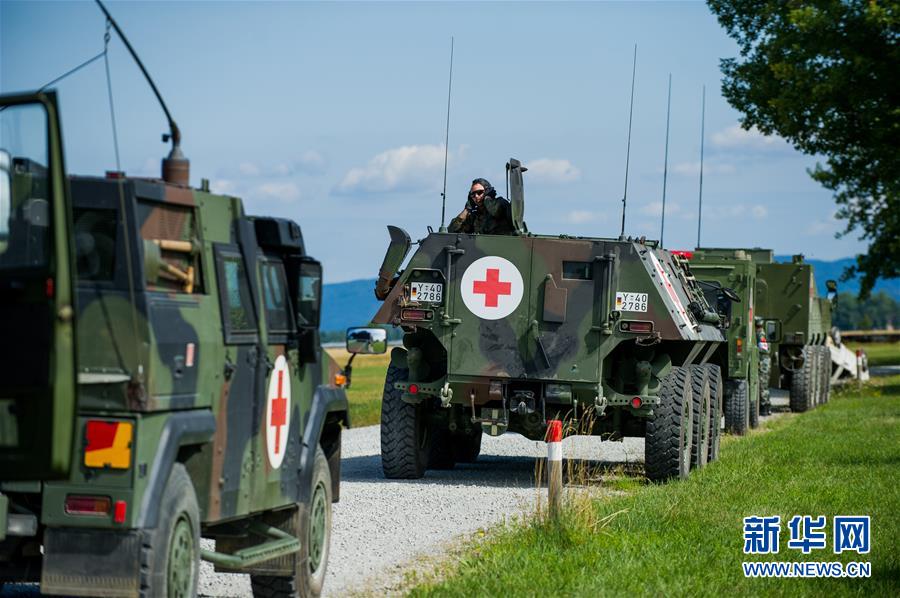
<point x="368" y="341"/>
<point x="773" y="331"/>
<point x="731" y="294"/>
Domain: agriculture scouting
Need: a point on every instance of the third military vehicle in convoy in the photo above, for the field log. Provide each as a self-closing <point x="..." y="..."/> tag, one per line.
<point x="505" y="332"/>
<point x="797" y="323"/>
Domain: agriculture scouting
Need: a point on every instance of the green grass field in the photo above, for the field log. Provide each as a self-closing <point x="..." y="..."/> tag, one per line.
<point x="879" y="353"/>
<point x="686" y="538"/>
<point x="366" y="386"/>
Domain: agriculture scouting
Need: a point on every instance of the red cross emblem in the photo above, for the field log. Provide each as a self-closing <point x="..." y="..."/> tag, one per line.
<point x="491" y="287"/>
<point x="279" y="412"/>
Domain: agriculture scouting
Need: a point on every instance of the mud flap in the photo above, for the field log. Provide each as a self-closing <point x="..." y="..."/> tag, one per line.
<point x="91" y="563"/>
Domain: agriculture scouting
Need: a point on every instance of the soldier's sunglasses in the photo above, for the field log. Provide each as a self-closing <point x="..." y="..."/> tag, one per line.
<point x="476" y="193"/>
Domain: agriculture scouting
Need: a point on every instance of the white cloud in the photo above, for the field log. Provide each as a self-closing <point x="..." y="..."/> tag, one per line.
<point x="693" y="168"/>
<point x="823" y="226"/>
<point x="248" y="169"/>
<point x="281" y="191"/>
<point x="584" y="216"/>
<point x="399" y="169"/>
<point x="549" y="170"/>
<point x="654" y="208"/>
<point x="736" y="136"/>
<point x="759" y="211"/>
<point x="223" y="187"/>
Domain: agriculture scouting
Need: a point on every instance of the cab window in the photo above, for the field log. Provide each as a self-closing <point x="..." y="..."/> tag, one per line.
<point x="275" y="295"/>
<point x="234" y="298"/>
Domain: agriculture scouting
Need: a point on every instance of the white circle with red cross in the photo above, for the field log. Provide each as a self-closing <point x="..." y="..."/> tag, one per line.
<point x="491" y="287"/>
<point x="278" y="412"/>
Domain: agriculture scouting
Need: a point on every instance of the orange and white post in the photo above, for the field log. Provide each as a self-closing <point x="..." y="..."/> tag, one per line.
<point x="554" y="466"/>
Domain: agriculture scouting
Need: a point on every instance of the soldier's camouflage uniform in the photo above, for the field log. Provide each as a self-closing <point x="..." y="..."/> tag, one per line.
<point x="493" y="219"/>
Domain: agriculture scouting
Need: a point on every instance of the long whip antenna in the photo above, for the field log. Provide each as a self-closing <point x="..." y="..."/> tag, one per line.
<point x="443" y="228"/>
<point x="174" y="132"/>
<point x="662" y="228"/>
<point x="628" y="147"/>
<point x="702" y="137"/>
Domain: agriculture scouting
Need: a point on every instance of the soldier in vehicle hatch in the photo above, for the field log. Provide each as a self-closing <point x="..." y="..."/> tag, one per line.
<point x="485" y="213"/>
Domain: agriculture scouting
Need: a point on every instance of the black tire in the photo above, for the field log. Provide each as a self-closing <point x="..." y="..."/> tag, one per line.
<point x="467" y="447"/>
<point x="737" y="407"/>
<point x="701" y="400"/>
<point x="803" y="383"/>
<point x="313" y="522"/>
<point x="441" y="454"/>
<point x="404" y="433"/>
<point x="826" y="375"/>
<point x="667" y="444"/>
<point x="171" y="552"/>
<point x="714" y="376"/>
<point x="765" y="370"/>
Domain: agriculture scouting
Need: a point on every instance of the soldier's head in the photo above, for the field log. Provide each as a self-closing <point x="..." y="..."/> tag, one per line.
<point x="481" y="188"/>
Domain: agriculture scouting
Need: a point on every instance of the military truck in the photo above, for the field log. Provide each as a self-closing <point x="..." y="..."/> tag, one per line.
<point x="721" y="271"/>
<point x="797" y="322"/>
<point x="162" y="380"/>
<point x="505" y="332"/>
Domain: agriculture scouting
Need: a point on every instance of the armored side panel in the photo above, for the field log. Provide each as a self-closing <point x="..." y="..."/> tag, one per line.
<point x="531" y="319"/>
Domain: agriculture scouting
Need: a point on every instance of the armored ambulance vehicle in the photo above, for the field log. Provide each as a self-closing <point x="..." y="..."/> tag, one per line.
<point x="162" y="381"/>
<point x="797" y="322"/>
<point x="503" y="333"/>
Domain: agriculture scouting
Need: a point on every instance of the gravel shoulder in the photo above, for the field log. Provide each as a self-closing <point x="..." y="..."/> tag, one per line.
<point x="380" y="524"/>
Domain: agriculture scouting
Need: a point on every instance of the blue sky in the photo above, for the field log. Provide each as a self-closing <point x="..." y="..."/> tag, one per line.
<point x="333" y="114"/>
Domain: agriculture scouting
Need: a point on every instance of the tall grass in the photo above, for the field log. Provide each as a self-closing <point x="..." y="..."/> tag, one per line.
<point x="685" y="538"/>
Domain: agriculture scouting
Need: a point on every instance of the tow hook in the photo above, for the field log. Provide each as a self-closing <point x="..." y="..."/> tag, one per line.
<point x="446" y="395"/>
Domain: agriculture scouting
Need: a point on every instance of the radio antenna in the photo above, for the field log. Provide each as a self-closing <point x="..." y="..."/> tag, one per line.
<point x="702" y="136"/>
<point x="662" y="228"/>
<point x="443" y="228"/>
<point x="628" y="147"/>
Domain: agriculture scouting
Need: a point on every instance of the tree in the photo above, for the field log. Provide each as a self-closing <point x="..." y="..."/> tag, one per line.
<point x="825" y="76"/>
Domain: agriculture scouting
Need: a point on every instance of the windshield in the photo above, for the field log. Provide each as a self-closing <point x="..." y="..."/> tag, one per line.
<point x="24" y="193"/>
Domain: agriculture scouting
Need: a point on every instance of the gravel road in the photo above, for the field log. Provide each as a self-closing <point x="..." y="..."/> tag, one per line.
<point x="381" y="524"/>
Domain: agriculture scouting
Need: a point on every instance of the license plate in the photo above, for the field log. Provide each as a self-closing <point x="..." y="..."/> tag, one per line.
<point x="631" y="302"/>
<point x="428" y="292"/>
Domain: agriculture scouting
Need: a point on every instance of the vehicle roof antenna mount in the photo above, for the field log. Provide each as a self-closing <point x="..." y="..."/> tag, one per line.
<point x="175" y="168"/>
<point x="628" y="146"/>
<point x="443" y="227"/>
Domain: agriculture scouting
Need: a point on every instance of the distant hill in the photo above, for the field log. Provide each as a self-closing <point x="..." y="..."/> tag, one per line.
<point x="353" y="303"/>
<point x="826" y="270"/>
<point x="346" y="304"/>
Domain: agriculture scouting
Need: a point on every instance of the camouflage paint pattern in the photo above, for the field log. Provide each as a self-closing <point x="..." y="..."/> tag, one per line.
<point x="566" y="328"/>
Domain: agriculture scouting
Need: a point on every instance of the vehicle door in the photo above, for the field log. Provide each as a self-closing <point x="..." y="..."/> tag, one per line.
<point x="37" y="326"/>
<point x="238" y="415"/>
<point x="489" y="296"/>
<point x="565" y="342"/>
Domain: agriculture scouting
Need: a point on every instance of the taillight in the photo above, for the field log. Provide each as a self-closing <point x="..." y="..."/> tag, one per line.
<point x="416" y="315"/>
<point x="739" y="344"/>
<point x="632" y="326"/>
<point x="413" y="389"/>
<point x="88" y="505"/>
<point x="636" y="402"/>
<point x="120" y="511"/>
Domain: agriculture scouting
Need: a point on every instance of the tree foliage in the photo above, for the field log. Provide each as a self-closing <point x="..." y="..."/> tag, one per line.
<point x="878" y="311"/>
<point x="825" y="75"/>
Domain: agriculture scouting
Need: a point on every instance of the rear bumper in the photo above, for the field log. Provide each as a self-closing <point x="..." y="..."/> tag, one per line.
<point x="79" y="562"/>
